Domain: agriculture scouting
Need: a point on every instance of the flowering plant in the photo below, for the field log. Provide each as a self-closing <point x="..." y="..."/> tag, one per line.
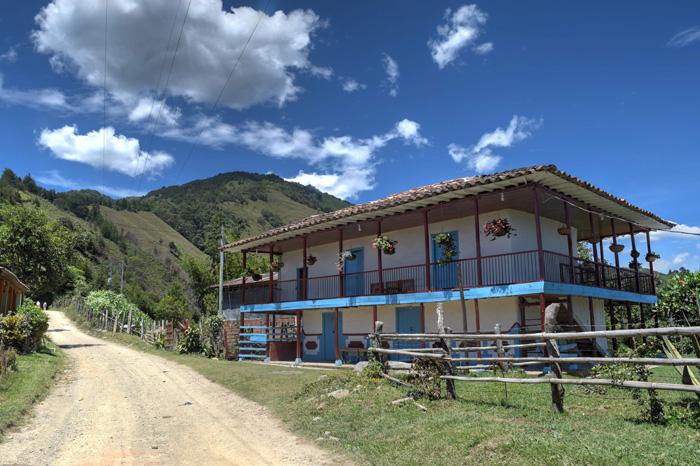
<point x="310" y="259"/>
<point x="447" y="245"/>
<point x="275" y="266"/>
<point x="498" y="227"/>
<point x="385" y="244"/>
<point x="343" y="256"/>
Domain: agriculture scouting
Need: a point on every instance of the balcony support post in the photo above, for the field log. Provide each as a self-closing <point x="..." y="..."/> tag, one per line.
<point x="426" y="234"/>
<point x="477" y="239"/>
<point x="602" y="262"/>
<point x="304" y="268"/>
<point x="617" y="255"/>
<point x="422" y="322"/>
<point x="651" y="265"/>
<point x="570" y="242"/>
<point x="379" y="258"/>
<point x="476" y="314"/>
<point x="613" y="322"/>
<point x="272" y="258"/>
<point x="374" y="318"/>
<point x="340" y="272"/>
<point x="338" y="361"/>
<point x="298" y="359"/>
<point x="595" y="250"/>
<point x="538" y="228"/>
<point x="636" y="262"/>
<point x="543" y="304"/>
<point x="267" y="332"/>
<point x="245" y="268"/>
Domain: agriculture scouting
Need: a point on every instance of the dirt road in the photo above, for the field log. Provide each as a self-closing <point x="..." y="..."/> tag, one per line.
<point x="119" y="406"/>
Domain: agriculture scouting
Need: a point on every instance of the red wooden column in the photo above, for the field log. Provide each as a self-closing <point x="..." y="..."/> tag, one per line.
<point x="569" y="240"/>
<point x="379" y="259"/>
<point x="298" y="359"/>
<point x="338" y="362"/>
<point x="543" y="304"/>
<point x="479" y="274"/>
<point x="245" y="268"/>
<point x="595" y="251"/>
<point x="602" y="261"/>
<point x="617" y="255"/>
<point x="267" y="332"/>
<point x="374" y="317"/>
<point x="304" y="270"/>
<point x="613" y="322"/>
<point x="634" y="248"/>
<point x="272" y="258"/>
<point x="651" y="265"/>
<point x="593" y="329"/>
<point x="538" y="227"/>
<point x="340" y="272"/>
<point x="426" y="234"/>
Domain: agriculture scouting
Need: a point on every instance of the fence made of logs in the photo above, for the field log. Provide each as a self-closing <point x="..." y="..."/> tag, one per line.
<point x="442" y="349"/>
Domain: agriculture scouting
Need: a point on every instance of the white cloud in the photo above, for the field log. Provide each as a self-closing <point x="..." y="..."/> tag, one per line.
<point x="38" y="99"/>
<point x="392" y="73"/>
<point x="461" y="30"/>
<point x="673" y="233"/>
<point x="72" y="33"/>
<point x="480" y="157"/>
<point x="409" y="131"/>
<point x="685" y="37"/>
<point x="119" y="153"/>
<point x="54" y="178"/>
<point x="350" y="85"/>
<point x="321" y="72"/>
<point x="10" y="56"/>
<point x="148" y="109"/>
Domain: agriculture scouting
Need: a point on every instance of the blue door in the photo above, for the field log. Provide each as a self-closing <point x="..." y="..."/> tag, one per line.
<point x="300" y="284"/>
<point x="407" y="321"/>
<point x="353" y="278"/>
<point x="444" y="276"/>
<point x="328" y="350"/>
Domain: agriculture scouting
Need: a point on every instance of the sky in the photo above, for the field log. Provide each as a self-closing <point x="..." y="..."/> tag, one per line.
<point x="361" y="99"/>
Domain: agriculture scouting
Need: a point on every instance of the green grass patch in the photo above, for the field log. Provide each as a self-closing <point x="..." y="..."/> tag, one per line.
<point x="484" y="426"/>
<point x="30" y="383"/>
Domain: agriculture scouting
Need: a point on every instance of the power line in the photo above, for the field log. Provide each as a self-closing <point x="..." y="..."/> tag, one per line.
<point x="104" y="106"/>
<point x="262" y="13"/>
<point x="155" y="92"/>
<point x="162" y="102"/>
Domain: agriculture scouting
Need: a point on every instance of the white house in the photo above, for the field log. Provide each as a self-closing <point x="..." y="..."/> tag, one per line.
<point x="506" y="280"/>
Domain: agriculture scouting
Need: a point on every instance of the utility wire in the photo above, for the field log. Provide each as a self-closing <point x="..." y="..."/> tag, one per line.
<point x="162" y="102"/>
<point x="155" y="92"/>
<point x="262" y="13"/>
<point x="104" y="106"/>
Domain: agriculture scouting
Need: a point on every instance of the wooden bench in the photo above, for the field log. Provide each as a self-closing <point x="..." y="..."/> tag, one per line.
<point x="394" y="287"/>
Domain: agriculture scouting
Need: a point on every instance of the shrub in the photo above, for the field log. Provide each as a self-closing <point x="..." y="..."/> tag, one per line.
<point x="8" y="360"/>
<point x="15" y="332"/>
<point x="38" y="320"/>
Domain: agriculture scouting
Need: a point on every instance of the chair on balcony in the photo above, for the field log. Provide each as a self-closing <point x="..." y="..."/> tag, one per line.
<point x="394" y="286"/>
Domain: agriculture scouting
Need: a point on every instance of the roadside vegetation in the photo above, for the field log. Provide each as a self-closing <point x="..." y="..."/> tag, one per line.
<point x="29" y="363"/>
<point x="355" y="414"/>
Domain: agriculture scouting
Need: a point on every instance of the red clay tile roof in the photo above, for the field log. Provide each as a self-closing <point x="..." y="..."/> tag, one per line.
<point x="425" y="192"/>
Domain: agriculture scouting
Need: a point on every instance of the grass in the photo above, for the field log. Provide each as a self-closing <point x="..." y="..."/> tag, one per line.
<point x="480" y="427"/>
<point x="29" y="384"/>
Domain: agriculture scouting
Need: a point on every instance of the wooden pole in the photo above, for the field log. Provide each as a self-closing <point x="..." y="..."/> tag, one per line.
<point x="298" y="359"/>
<point x="538" y="229"/>
<point x="461" y="297"/>
<point x="477" y="240"/>
<point x="553" y="351"/>
<point x="426" y="236"/>
<point x="128" y="330"/>
<point x="338" y="362"/>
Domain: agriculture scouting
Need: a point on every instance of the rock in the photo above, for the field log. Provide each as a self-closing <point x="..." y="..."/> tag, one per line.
<point x="321" y="406"/>
<point x="339" y="394"/>
<point x="317" y="418"/>
<point x="335" y="439"/>
<point x="321" y="378"/>
<point x="361" y="365"/>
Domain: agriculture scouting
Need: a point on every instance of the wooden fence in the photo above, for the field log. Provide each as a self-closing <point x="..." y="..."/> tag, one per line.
<point x="444" y="351"/>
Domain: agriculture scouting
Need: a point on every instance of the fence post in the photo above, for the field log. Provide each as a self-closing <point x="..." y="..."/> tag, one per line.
<point x="378" y="327"/>
<point x="128" y="330"/>
<point x="143" y="330"/>
<point x="114" y="330"/>
<point x="121" y="326"/>
<point x="499" y="342"/>
<point x="446" y="345"/>
<point x="550" y="324"/>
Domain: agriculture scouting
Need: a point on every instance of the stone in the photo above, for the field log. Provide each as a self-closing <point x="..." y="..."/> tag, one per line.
<point x="361" y="365"/>
<point x="340" y="394"/>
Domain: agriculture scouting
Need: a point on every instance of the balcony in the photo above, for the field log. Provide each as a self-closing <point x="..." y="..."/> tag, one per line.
<point x="497" y="270"/>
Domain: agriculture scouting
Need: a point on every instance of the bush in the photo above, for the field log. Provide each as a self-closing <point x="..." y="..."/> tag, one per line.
<point x="38" y="320"/>
<point x="15" y="332"/>
<point x="8" y="360"/>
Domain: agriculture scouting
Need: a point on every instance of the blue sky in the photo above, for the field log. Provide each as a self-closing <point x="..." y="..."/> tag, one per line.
<point x="361" y="99"/>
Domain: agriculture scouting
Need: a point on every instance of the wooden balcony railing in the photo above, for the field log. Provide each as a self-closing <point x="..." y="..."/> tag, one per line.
<point x="497" y="270"/>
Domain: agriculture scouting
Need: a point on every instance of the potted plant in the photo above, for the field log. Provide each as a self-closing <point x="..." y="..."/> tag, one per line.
<point x="385" y="244"/>
<point x="498" y="227"/>
<point x="257" y="277"/>
<point x="275" y="266"/>
<point x="652" y="256"/>
<point x="249" y="272"/>
<point x="616" y="247"/>
<point x="447" y="245"/>
<point x="594" y="239"/>
<point x="564" y="230"/>
<point x="343" y="256"/>
<point x="634" y="253"/>
<point x="310" y="259"/>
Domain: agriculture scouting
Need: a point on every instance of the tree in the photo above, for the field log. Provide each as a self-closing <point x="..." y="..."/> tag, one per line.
<point x="39" y="252"/>
<point x="201" y="279"/>
<point x="174" y="305"/>
<point x="678" y="299"/>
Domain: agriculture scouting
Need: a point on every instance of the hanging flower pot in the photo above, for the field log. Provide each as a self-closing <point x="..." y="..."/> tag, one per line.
<point x="310" y="260"/>
<point x="564" y="230"/>
<point x="257" y="277"/>
<point x="343" y="256"/>
<point x="447" y="246"/>
<point x="616" y="248"/>
<point x="634" y="253"/>
<point x="385" y="244"/>
<point x="594" y="239"/>
<point x="275" y="266"/>
<point x="498" y="227"/>
<point x="249" y="272"/>
<point x="651" y="257"/>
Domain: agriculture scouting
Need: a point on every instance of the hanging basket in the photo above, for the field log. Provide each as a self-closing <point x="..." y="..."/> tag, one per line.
<point x="634" y="253"/>
<point x="310" y="260"/>
<point x="650" y="257"/>
<point x="275" y="268"/>
<point x="564" y="230"/>
<point x="594" y="239"/>
<point x="257" y="277"/>
<point x="389" y="251"/>
<point x="249" y="273"/>
<point x="617" y="248"/>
